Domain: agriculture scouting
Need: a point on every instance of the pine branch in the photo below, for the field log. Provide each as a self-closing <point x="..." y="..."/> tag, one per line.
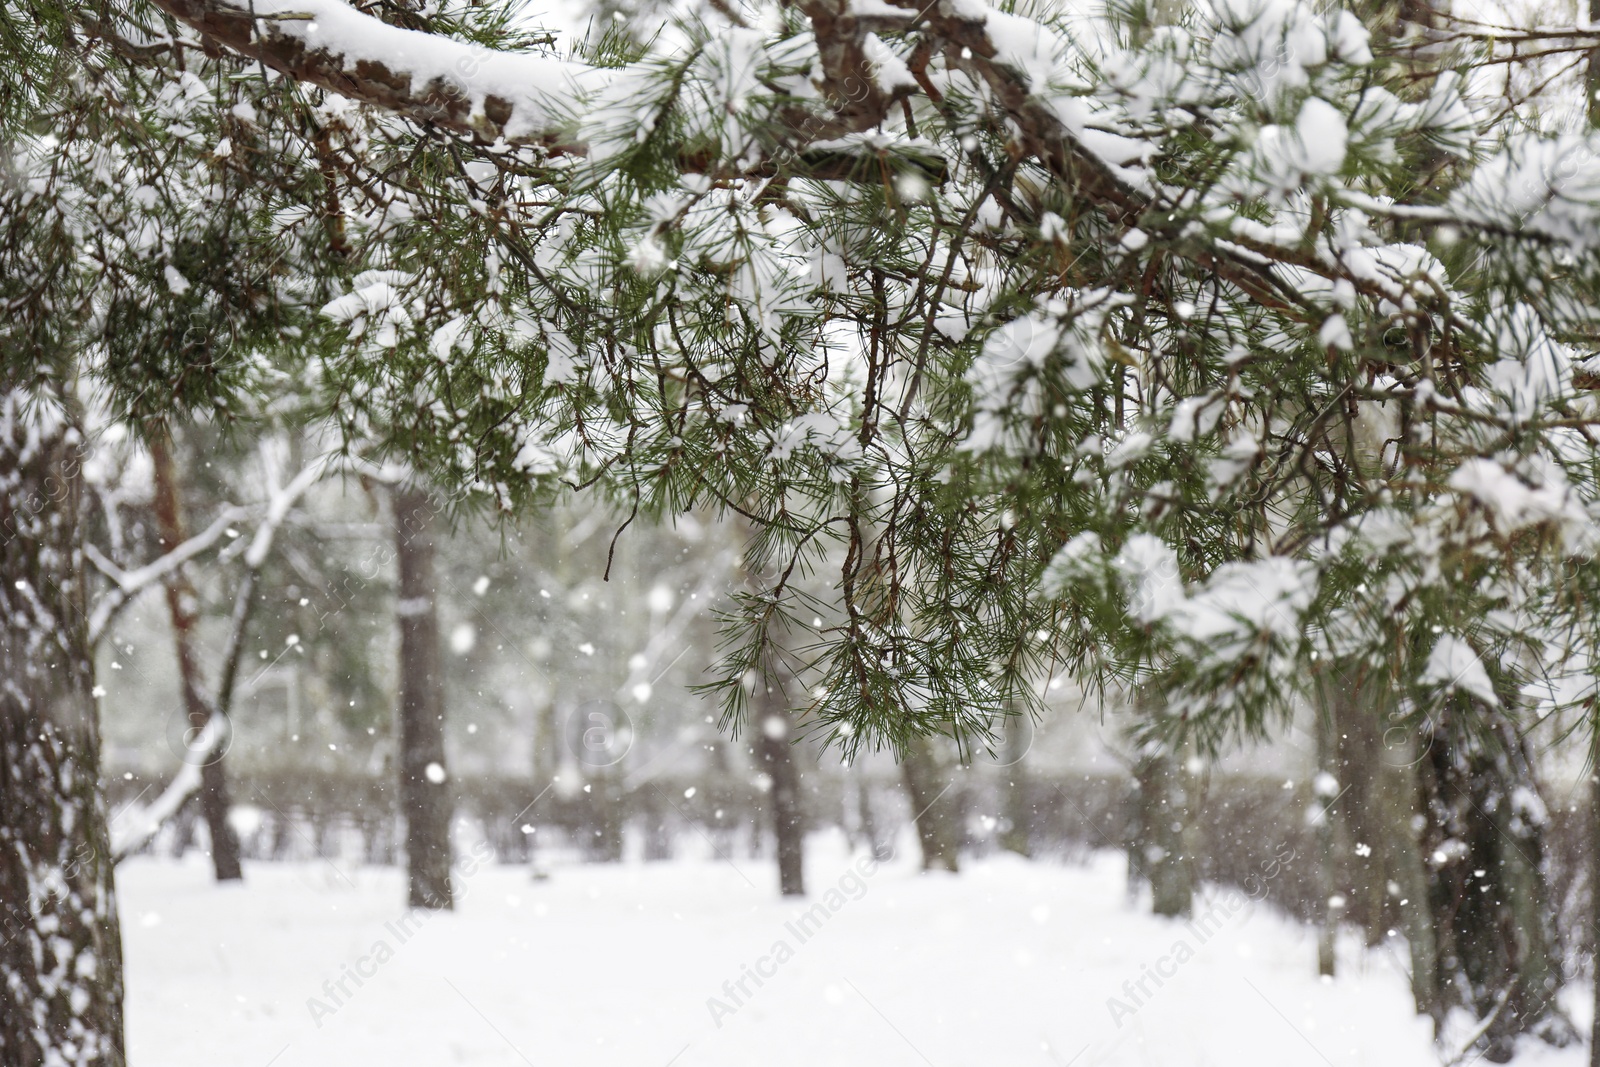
<point x="491" y="96"/>
<point x="477" y="92"/>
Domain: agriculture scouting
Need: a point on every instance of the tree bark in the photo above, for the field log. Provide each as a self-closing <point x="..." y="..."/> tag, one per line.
<point x="1018" y="800"/>
<point x="450" y="99"/>
<point x="1594" y="862"/>
<point x="1324" y="800"/>
<point x="930" y="800"/>
<point x="182" y="604"/>
<point x="448" y="96"/>
<point x="1165" y="845"/>
<point x="1403" y="807"/>
<point x="61" y="950"/>
<point x="775" y="751"/>
<point x="869" y="819"/>
<point x="1163" y="818"/>
<point x="606" y="813"/>
<point x="1355" y="710"/>
<point x="424" y="782"/>
<point x="1490" y="904"/>
<point x="1592" y="87"/>
<point x="1376" y="766"/>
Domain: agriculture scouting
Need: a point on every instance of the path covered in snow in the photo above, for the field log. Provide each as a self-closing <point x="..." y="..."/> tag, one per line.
<point x="697" y="963"/>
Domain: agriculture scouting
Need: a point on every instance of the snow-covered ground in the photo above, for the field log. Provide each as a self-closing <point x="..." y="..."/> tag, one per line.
<point x="639" y="965"/>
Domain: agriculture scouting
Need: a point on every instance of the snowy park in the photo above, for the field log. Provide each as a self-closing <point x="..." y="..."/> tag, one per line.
<point x="1009" y="963"/>
<point x="663" y="533"/>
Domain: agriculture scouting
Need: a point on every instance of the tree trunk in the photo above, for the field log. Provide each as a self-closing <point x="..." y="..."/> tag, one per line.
<point x="929" y="788"/>
<point x="1165" y="847"/>
<point x="1592" y="88"/>
<point x="546" y="768"/>
<point x="1403" y="806"/>
<point x="1325" y="800"/>
<point x="1359" y="823"/>
<point x="1592" y="84"/>
<point x="1488" y="895"/>
<point x="1594" y="865"/>
<point x="775" y="751"/>
<point x="424" y="782"/>
<point x="1379" y="813"/>
<point x="182" y="605"/>
<point x="869" y="819"/>
<point x="61" y="953"/>
<point x="1163" y="818"/>
<point x="1018" y="800"/>
<point x="606" y="814"/>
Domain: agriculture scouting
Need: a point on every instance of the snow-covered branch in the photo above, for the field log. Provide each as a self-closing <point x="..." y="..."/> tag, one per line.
<point x="468" y="89"/>
<point x="516" y="98"/>
<point x="134" y="826"/>
<point x="129" y="584"/>
<point x="139" y="826"/>
<point x="278" y="507"/>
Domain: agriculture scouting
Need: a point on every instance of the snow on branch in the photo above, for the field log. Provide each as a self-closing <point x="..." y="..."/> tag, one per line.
<point x="522" y="98"/>
<point x="278" y="507"/>
<point x="492" y="95"/>
<point x="466" y="88"/>
<point x="129" y="584"/>
<point x="131" y="831"/>
<point x="134" y="826"/>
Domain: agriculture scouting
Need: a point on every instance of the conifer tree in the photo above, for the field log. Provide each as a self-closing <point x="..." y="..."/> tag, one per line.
<point x="1211" y="347"/>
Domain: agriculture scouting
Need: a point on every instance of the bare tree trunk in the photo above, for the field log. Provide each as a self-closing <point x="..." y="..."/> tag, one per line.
<point x="1592" y="87"/>
<point x="869" y="819"/>
<point x="1488" y="895"/>
<point x="606" y="814"/>
<point x="1163" y="817"/>
<point x="1324" y="800"/>
<point x="1359" y="822"/>
<point x="1165" y="835"/>
<point x="424" y="790"/>
<point x="1402" y="811"/>
<point x="775" y="751"/>
<point x="60" y="947"/>
<point x="1018" y="802"/>
<point x="929" y="788"/>
<point x="1594" y="809"/>
<point x="182" y="608"/>
<point x="1376" y="822"/>
<point x="1592" y="78"/>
